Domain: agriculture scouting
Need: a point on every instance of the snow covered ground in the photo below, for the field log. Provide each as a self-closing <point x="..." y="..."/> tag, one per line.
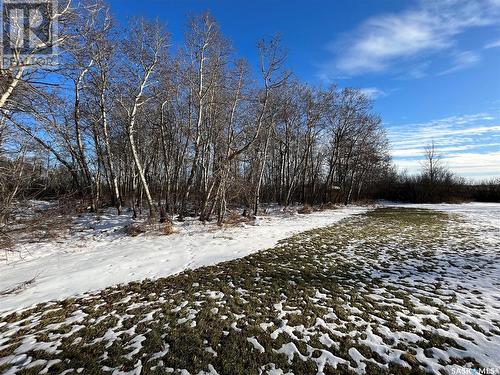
<point x="391" y="291"/>
<point x="476" y="213"/>
<point x="97" y="253"/>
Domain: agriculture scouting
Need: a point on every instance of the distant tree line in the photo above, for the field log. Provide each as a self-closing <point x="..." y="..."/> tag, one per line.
<point x="435" y="184"/>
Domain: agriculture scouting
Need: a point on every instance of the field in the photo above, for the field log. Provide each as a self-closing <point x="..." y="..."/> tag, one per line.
<point x="394" y="290"/>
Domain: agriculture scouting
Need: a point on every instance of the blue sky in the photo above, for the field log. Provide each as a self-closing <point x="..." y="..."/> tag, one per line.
<point x="432" y="67"/>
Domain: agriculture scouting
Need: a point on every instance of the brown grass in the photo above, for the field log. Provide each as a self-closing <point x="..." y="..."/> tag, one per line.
<point x="235" y="218"/>
<point x="168" y="228"/>
<point x="305" y="210"/>
<point x="134" y="230"/>
<point x="19" y="287"/>
<point x="364" y="202"/>
<point x="328" y="206"/>
<point x="43" y="225"/>
<point x="5" y="241"/>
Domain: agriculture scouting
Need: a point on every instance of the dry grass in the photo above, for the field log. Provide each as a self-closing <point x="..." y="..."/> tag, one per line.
<point x="133" y="230"/>
<point x="38" y="226"/>
<point x="340" y="283"/>
<point x="19" y="287"/>
<point x="234" y="218"/>
<point x="305" y="210"/>
<point x="168" y="228"/>
<point x="365" y="202"/>
<point x="6" y="242"/>
<point x="136" y="229"/>
<point x="328" y="206"/>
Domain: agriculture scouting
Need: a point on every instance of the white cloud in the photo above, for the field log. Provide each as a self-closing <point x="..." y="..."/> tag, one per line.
<point x="383" y="39"/>
<point x="472" y="124"/>
<point x="462" y="61"/>
<point x="420" y="151"/>
<point x="373" y="92"/>
<point x="475" y="165"/>
<point x="417" y="71"/>
<point x="468" y="144"/>
<point x="442" y="136"/>
<point x="494" y="44"/>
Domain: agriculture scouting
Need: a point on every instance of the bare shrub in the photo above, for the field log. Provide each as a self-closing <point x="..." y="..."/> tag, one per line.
<point x="234" y="218"/>
<point x="168" y="228"/>
<point x="34" y="223"/>
<point x="134" y="230"/>
<point x="306" y="209"/>
<point x="365" y="202"/>
<point x="328" y="206"/>
<point x="6" y="242"/>
<point x="18" y="288"/>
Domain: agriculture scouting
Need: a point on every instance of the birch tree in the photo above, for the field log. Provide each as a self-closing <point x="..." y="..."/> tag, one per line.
<point x="143" y="50"/>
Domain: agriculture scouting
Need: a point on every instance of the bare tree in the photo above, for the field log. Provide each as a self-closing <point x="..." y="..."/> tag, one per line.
<point x="193" y="133"/>
<point x="144" y="50"/>
<point x="432" y="165"/>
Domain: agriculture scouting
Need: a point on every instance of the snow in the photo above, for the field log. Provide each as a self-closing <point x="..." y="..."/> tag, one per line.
<point x="476" y="292"/>
<point x="456" y="297"/>
<point x="476" y="213"/>
<point x="252" y="340"/>
<point x="98" y="254"/>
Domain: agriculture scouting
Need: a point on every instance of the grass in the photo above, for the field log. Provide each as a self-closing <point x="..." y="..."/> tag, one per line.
<point x="380" y="293"/>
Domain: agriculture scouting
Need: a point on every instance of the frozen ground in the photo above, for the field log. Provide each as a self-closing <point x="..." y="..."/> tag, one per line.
<point x="96" y="253"/>
<point x="396" y="290"/>
<point x="476" y="213"/>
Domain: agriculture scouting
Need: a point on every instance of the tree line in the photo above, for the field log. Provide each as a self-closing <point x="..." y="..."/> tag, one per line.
<point x="435" y="184"/>
<point x="129" y="119"/>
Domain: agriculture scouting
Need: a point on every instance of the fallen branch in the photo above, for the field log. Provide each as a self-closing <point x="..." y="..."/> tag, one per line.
<point x="19" y="287"/>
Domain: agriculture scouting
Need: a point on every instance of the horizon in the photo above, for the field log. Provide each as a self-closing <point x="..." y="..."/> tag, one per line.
<point x="431" y="69"/>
